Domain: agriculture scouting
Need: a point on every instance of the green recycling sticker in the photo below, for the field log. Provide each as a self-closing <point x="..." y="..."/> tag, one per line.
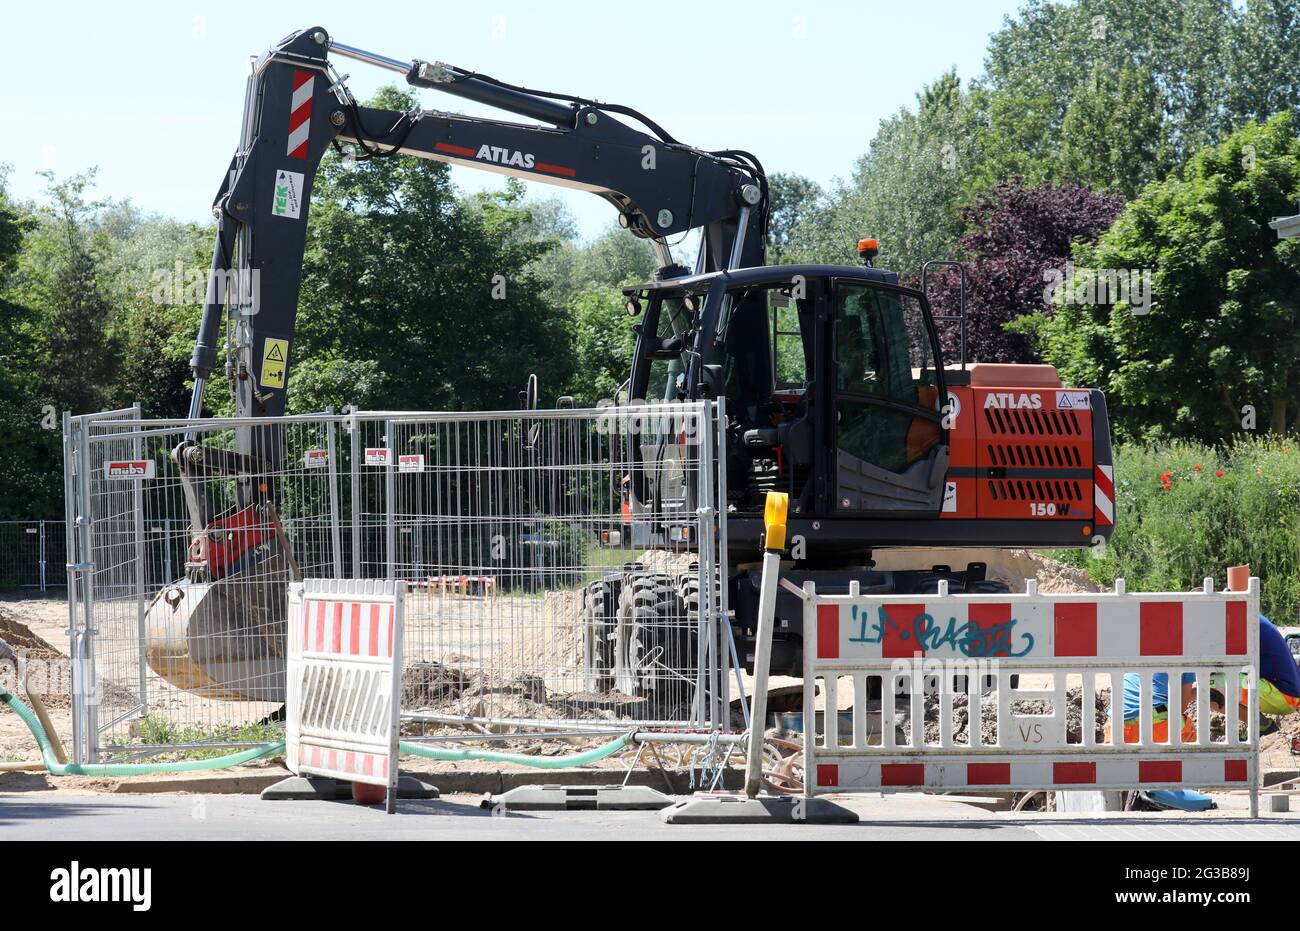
<point x="288" y="194"/>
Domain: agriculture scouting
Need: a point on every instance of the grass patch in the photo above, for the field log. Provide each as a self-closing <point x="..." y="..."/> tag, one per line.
<point x="153" y="731"/>
<point x="1185" y="511"/>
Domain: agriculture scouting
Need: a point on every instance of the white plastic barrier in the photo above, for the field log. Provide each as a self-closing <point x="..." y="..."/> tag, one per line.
<point x="950" y="657"/>
<point x="344" y="681"/>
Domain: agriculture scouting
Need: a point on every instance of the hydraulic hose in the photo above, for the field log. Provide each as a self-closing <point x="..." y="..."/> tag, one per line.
<point x="537" y="762"/>
<point x="25" y="676"/>
<point x="57" y="768"/>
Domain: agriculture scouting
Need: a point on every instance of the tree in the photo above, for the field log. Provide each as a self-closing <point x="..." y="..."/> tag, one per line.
<point x="1162" y="61"/>
<point x="1223" y="334"/>
<point x="603" y="344"/>
<point x="1018" y="236"/>
<point x="791" y="198"/>
<point x="30" y="471"/>
<point x="905" y="191"/>
<point x="416" y="297"/>
<point x="60" y="277"/>
<point x="1264" y="61"/>
<point x="11" y="230"/>
<point x="155" y="278"/>
<point x="1114" y="135"/>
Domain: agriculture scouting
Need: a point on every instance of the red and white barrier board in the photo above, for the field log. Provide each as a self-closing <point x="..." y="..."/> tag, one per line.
<point x="344" y="679"/>
<point x="1002" y="691"/>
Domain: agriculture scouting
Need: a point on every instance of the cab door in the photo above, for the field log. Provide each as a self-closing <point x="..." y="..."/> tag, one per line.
<point x="890" y="448"/>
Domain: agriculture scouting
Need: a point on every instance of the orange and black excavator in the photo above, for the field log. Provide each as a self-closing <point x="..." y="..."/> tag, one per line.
<point x="836" y="389"/>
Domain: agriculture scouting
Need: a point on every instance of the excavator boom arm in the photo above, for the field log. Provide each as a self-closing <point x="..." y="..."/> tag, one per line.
<point x="297" y="107"/>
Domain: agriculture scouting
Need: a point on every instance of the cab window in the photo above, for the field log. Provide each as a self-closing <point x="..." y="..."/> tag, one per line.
<point x="887" y="405"/>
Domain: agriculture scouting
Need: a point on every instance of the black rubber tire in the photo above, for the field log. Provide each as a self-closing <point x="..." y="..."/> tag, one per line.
<point x="652" y="634"/>
<point x="599" y="608"/>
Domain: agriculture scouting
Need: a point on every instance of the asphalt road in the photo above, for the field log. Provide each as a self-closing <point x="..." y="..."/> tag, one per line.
<point x="68" y="816"/>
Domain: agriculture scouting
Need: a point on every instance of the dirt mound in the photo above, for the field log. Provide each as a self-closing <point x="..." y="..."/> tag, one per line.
<point x="1012" y="566"/>
<point x="989" y="715"/>
<point x="428" y="684"/>
<point x="17" y="634"/>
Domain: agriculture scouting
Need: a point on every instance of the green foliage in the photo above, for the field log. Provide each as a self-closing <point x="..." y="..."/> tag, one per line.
<point x="61" y="277"/>
<point x="1224" y="326"/>
<point x="584" y="282"/>
<point x="155" y="279"/>
<point x="792" y="198"/>
<point x="1263" y="75"/>
<point x="12" y="223"/>
<point x="432" y="294"/>
<point x="1160" y="64"/>
<point x="155" y="730"/>
<point x="905" y="190"/>
<point x="603" y="344"/>
<point x="1178" y="520"/>
<point x="1114" y="135"/>
<point x="1108" y="94"/>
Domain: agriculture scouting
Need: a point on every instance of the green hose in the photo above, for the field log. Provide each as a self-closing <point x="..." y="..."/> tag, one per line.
<point x="537" y="762"/>
<point x="56" y="768"/>
<point x="125" y="769"/>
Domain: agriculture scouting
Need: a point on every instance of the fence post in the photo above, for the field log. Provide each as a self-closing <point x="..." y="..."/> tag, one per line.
<point x="354" y="448"/>
<point x="773" y="542"/>
<point x="726" y="648"/>
<point x="390" y="503"/>
<point x="137" y="495"/>
<point x="85" y="521"/>
<point x="71" y="559"/>
<point x="709" y="626"/>
<point x="331" y="456"/>
<point x="41" y="554"/>
<point x="167" y="551"/>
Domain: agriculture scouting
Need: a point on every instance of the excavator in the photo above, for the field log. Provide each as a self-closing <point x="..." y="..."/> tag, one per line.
<point x="836" y="389"/>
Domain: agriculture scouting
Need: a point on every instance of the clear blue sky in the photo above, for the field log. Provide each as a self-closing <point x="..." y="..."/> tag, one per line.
<point x="151" y="93"/>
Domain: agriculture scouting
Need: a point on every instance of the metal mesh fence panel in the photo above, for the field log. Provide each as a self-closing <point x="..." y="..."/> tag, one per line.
<point x="543" y="586"/>
<point x="32" y="554"/>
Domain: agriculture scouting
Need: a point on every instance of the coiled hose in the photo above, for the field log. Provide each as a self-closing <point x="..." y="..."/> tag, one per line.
<point x="53" y="759"/>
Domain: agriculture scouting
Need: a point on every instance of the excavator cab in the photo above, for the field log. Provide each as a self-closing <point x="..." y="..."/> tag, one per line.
<point x="831" y="379"/>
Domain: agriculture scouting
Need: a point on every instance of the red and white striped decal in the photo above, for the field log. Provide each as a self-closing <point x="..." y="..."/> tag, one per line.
<point x="1103" y="494"/>
<point x="1030" y="629"/>
<point x="344" y="762"/>
<point x="1040" y="772"/>
<point x="304" y="86"/>
<point x="347" y="628"/>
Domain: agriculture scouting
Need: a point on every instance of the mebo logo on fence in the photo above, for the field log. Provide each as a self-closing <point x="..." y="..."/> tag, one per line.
<point x="130" y="468"/>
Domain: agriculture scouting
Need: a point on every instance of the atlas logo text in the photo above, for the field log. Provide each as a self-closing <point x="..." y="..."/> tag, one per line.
<point x="1006" y="399"/>
<point x="495" y="153"/>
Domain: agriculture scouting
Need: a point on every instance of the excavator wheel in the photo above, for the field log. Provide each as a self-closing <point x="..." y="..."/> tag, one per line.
<point x="654" y="642"/>
<point x="987" y="587"/>
<point x="599" y="608"/>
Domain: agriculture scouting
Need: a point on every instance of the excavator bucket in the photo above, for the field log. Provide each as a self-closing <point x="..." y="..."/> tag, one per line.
<point x="223" y="638"/>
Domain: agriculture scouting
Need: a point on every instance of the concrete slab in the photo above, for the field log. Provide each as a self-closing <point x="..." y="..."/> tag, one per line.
<point x="323" y="789"/>
<point x="578" y="798"/>
<point x="737" y="809"/>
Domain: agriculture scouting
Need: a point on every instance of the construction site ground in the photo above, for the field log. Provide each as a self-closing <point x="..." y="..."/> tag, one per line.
<point x="37" y="626"/>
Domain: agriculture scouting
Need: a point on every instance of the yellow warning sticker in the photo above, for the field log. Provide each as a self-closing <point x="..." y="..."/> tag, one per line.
<point x="274" y="355"/>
